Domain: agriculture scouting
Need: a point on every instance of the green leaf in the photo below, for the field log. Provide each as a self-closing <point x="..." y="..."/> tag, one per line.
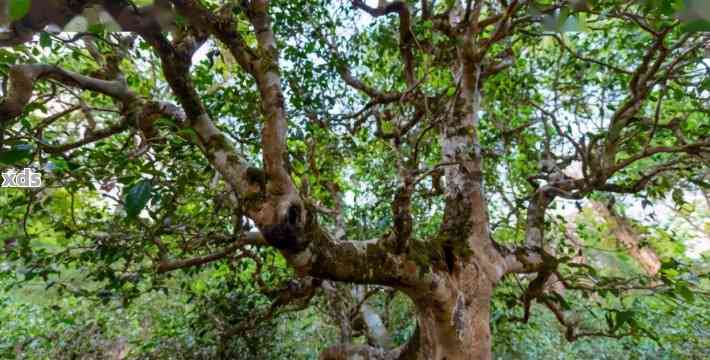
<point x="624" y="317"/>
<point x="17" y="154"/>
<point x="188" y="134"/>
<point x="137" y="197"/>
<point x="677" y="196"/>
<point x="97" y="29"/>
<point x="18" y="9"/>
<point x="58" y="165"/>
<point x="685" y="292"/>
<point x="45" y="40"/>
<point x="696" y="26"/>
<point x="609" y="320"/>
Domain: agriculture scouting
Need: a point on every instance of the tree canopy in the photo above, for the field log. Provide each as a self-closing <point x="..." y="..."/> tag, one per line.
<point x="420" y="179"/>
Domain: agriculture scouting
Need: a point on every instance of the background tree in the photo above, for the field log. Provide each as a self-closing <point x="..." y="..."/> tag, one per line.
<point x="416" y="149"/>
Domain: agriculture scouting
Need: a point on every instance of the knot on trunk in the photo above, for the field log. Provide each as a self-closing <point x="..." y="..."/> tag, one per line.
<point x="287" y="235"/>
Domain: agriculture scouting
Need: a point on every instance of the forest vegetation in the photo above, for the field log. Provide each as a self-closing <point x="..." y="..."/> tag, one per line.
<point x="312" y="179"/>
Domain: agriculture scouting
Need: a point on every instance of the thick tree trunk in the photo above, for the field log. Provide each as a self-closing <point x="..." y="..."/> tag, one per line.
<point x="455" y="332"/>
<point x="453" y="317"/>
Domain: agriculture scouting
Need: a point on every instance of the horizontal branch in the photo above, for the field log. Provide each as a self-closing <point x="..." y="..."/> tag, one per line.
<point x="22" y="79"/>
<point x="250" y="238"/>
<point x="143" y="116"/>
<point x="88" y="139"/>
<point x="360" y="262"/>
<point x="527" y="260"/>
<point x="38" y="16"/>
<point x="695" y="148"/>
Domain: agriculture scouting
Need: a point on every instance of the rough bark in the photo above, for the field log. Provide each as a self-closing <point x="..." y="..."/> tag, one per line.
<point x="352" y="351"/>
<point x="452" y="292"/>
<point x="453" y="316"/>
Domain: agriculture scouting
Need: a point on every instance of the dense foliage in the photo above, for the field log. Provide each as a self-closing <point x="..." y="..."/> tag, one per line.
<point x="214" y="174"/>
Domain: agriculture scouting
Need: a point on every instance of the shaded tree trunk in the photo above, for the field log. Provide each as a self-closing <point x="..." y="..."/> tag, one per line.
<point x="453" y="316"/>
<point x="454" y="331"/>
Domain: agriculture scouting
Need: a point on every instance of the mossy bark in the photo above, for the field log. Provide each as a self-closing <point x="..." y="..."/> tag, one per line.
<point x="453" y="316"/>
